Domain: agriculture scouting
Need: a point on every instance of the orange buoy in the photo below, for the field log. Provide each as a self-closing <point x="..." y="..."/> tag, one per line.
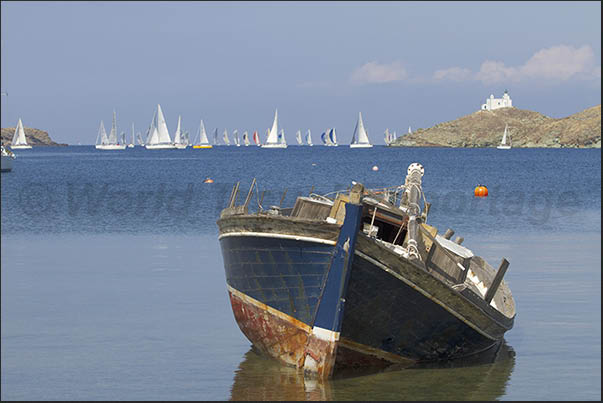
<point x="480" y="191"/>
<point x="208" y="180"/>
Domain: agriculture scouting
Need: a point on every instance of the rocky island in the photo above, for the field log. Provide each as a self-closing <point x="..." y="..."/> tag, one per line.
<point x="35" y="137"/>
<point x="485" y="128"/>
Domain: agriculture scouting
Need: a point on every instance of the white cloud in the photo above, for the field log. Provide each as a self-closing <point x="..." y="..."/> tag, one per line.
<point x="557" y="63"/>
<point x="373" y="72"/>
<point x="494" y="72"/>
<point x="452" y="74"/>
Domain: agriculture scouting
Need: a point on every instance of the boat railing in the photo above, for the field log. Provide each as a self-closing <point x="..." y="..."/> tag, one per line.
<point x="442" y="261"/>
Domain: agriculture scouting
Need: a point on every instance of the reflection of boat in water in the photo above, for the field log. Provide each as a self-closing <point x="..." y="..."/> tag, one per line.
<point x="359" y="279"/>
<point x="482" y="377"/>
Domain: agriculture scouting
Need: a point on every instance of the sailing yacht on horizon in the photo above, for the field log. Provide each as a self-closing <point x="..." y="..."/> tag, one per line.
<point x="360" y="137"/>
<point x="19" y="141"/>
<point x="180" y="141"/>
<point x="225" y="137"/>
<point x="246" y="138"/>
<point x="235" y="135"/>
<point x="159" y="136"/>
<point x="273" y="140"/>
<point x="203" y="141"/>
<point x="131" y="145"/>
<point x="298" y="137"/>
<point x="256" y="139"/>
<point x="503" y="143"/>
<point x="309" y="138"/>
<point x="104" y="142"/>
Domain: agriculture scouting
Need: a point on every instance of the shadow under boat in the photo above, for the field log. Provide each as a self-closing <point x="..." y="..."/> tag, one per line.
<point x="358" y="281"/>
<point x="483" y="376"/>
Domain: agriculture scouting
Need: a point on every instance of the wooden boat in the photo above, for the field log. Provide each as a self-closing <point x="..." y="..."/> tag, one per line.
<point x="359" y="279"/>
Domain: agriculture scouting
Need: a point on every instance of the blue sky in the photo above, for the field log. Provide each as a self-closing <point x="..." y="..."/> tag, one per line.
<point x="67" y="65"/>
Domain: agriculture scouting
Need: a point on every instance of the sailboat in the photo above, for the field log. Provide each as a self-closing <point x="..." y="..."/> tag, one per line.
<point x="246" y="138"/>
<point x="309" y="138"/>
<point x="329" y="138"/>
<point x="131" y="145"/>
<point x="256" y="139"/>
<point x="179" y="140"/>
<point x="203" y="141"/>
<point x="273" y="140"/>
<point x="503" y="144"/>
<point x="281" y="138"/>
<point x="104" y="142"/>
<point x="388" y="137"/>
<point x="159" y="137"/>
<point x="216" y="136"/>
<point x="298" y="137"/>
<point x="225" y="137"/>
<point x="360" y="137"/>
<point x="235" y="134"/>
<point x="19" y="141"/>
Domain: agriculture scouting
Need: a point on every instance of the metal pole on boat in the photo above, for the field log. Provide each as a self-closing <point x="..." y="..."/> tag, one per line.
<point x="413" y="192"/>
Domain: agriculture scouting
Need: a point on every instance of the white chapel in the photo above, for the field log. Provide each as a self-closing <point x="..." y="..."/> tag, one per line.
<point x="497" y="103"/>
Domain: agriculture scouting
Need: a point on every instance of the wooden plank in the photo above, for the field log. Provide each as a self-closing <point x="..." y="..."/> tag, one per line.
<point x="502" y="269"/>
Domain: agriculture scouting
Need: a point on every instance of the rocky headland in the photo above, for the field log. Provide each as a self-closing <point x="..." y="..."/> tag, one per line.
<point x="35" y="137"/>
<point x="526" y="129"/>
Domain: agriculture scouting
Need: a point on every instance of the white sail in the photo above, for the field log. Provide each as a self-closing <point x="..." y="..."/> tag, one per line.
<point x="246" y="138"/>
<point x="504" y="139"/>
<point x="101" y="138"/>
<point x="19" y="139"/>
<point x="309" y="138"/>
<point x="235" y="135"/>
<point x="154" y="138"/>
<point x="177" y="135"/>
<point x="298" y="137"/>
<point x="281" y="138"/>
<point x="113" y="132"/>
<point x="203" y="135"/>
<point x="360" y="137"/>
<point x="273" y="140"/>
<point x="387" y="136"/>
<point x="164" y="134"/>
<point x="131" y="145"/>
<point x="225" y="137"/>
<point x="409" y="131"/>
<point x="503" y="144"/>
<point x="273" y="134"/>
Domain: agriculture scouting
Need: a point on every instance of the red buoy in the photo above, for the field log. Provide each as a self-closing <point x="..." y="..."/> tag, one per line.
<point x="480" y="191"/>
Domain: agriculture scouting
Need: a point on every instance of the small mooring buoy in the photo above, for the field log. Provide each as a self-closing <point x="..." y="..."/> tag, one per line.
<point x="208" y="180"/>
<point x="480" y="191"/>
<point x="375" y="168"/>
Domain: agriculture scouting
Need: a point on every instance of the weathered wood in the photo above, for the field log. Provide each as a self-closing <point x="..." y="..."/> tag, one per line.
<point x="448" y="234"/>
<point x="262" y="198"/>
<point x="283" y="198"/>
<point x="502" y="269"/>
<point x="463" y="275"/>
<point x="233" y="196"/>
<point x="248" y="198"/>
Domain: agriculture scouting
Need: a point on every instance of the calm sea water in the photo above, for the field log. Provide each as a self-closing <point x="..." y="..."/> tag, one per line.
<point x="112" y="283"/>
